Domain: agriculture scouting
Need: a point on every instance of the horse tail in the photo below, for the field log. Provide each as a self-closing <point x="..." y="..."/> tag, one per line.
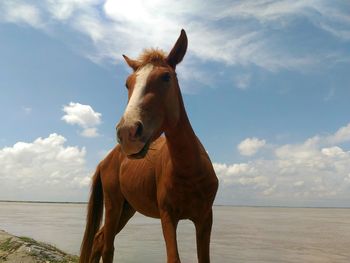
<point x="94" y="217"/>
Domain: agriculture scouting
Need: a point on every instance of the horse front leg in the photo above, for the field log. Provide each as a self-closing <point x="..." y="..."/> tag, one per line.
<point x="169" y="225"/>
<point x="203" y="231"/>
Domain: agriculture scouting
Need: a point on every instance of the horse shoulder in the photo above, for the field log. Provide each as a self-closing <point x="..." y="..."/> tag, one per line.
<point x="109" y="168"/>
<point x="184" y="191"/>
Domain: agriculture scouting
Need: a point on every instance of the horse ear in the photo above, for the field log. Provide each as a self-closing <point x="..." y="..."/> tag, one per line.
<point x="134" y="64"/>
<point x="179" y="50"/>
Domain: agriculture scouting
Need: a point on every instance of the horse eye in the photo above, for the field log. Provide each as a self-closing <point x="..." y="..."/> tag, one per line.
<point x="126" y="86"/>
<point x="166" y="77"/>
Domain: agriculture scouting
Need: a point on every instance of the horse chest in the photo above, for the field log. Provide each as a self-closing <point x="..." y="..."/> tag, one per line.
<point x="138" y="185"/>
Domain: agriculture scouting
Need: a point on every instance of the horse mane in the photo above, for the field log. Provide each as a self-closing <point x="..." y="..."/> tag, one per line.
<point x="154" y="56"/>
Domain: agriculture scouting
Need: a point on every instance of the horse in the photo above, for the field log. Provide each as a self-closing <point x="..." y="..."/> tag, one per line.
<point x="159" y="166"/>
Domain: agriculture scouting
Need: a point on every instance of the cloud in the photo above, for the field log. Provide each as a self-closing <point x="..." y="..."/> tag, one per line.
<point x="342" y="135"/>
<point x="89" y="132"/>
<point x="83" y="116"/>
<point x="242" y="81"/>
<point x="27" y="110"/>
<point x="20" y="13"/>
<point x="44" y="169"/>
<point x="312" y="173"/>
<point x="250" y="146"/>
<point x="64" y="9"/>
<point x="228" y="32"/>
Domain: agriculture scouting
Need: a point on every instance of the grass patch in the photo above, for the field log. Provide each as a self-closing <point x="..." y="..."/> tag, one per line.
<point x="9" y="246"/>
<point x="48" y="250"/>
<point x="40" y="252"/>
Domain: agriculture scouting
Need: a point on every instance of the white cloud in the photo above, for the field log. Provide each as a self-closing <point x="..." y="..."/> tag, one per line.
<point x="314" y="172"/>
<point x="239" y="44"/>
<point x="116" y="27"/>
<point x="333" y="151"/>
<point x="89" y="132"/>
<point x="64" y="9"/>
<point x="44" y="169"/>
<point x="342" y="135"/>
<point x="242" y="81"/>
<point x="250" y="146"/>
<point x="27" y="110"/>
<point x="20" y="12"/>
<point x="81" y="114"/>
<point x="84" y="116"/>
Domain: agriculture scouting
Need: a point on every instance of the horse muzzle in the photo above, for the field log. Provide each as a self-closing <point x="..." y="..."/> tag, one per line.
<point x="131" y="139"/>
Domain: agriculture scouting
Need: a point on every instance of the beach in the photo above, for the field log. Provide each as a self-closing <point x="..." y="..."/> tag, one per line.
<point x="240" y="234"/>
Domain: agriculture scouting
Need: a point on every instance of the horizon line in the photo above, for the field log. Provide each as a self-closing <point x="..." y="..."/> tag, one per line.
<point x="257" y="206"/>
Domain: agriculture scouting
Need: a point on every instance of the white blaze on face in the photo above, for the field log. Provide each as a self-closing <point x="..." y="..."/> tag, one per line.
<point x="132" y="111"/>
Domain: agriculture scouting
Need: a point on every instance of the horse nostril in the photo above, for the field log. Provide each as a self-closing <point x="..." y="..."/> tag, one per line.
<point x="139" y="129"/>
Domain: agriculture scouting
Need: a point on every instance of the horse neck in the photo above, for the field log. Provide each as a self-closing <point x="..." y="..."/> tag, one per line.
<point x="183" y="144"/>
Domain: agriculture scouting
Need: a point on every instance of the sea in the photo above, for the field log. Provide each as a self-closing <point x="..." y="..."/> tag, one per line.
<point x="240" y="234"/>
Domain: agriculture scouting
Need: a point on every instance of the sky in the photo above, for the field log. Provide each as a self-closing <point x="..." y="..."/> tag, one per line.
<point x="266" y="85"/>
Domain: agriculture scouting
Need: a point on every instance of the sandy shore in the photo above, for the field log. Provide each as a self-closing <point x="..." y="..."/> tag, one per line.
<point x="26" y="250"/>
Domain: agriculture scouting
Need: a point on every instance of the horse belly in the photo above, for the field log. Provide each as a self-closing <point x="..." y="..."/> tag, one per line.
<point x="138" y="186"/>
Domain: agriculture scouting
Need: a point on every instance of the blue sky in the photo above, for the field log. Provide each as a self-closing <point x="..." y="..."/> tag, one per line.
<point x="266" y="85"/>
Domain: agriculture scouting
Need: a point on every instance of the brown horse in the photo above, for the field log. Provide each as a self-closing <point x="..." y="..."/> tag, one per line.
<point x="168" y="177"/>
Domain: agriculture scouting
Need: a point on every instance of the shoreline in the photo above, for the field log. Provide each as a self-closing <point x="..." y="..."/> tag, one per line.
<point x="42" y="202"/>
<point x="217" y="205"/>
<point x="14" y="249"/>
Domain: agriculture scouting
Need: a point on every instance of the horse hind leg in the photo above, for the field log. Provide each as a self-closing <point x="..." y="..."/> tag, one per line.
<point x="97" y="247"/>
<point x="104" y="239"/>
<point x="115" y="221"/>
<point x="127" y="213"/>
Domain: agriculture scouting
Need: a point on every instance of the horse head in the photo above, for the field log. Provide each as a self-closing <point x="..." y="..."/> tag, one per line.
<point x="153" y="98"/>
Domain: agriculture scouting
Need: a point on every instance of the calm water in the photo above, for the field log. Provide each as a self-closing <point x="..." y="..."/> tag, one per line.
<point x="240" y="234"/>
